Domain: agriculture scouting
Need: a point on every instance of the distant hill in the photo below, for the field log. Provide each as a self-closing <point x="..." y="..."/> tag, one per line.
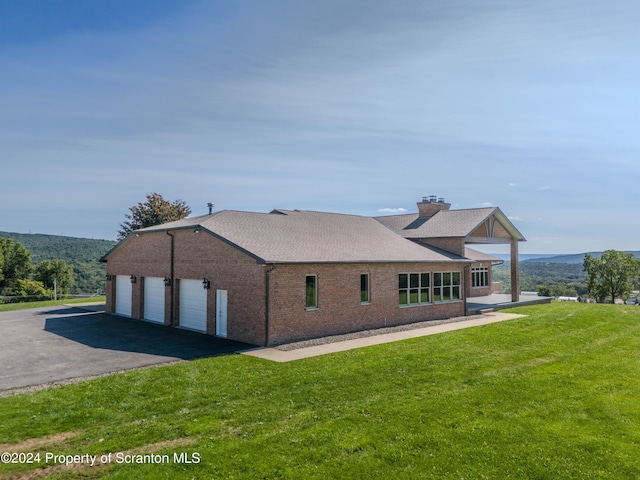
<point x="551" y="258"/>
<point x="83" y="254"/>
<point x="523" y="257"/>
<point x="574" y="258"/>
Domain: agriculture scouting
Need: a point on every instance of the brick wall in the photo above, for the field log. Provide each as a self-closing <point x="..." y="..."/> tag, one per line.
<point x="201" y="255"/>
<point x="197" y="256"/>
<point x="339" y="308"/>
<point x="453" y="245"/>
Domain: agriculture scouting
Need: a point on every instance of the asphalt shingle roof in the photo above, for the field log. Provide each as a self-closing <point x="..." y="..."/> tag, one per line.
<point x="472" y="254"/>
<point x="295" y="236"/>
<point x="305" y="237"/>
<point x="448" y="223"/>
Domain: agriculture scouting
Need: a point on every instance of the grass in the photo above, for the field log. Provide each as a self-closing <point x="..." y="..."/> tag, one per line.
<point x="8" y="307"/>
<point x="552" y="395"/>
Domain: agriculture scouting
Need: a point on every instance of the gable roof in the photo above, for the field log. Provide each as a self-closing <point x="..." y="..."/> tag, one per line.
<point x="447" y="223"/>
<point x="294" y="236"/>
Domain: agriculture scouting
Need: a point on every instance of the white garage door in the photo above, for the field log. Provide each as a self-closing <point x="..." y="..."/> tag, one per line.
<point x="123" y="295"/>
<point x="154" y="299"/>
<point x="193" y="305"/>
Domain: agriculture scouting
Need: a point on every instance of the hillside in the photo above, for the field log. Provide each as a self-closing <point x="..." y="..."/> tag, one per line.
<point x="83" y="254"/>
<point x="552" y="258"/>
<point x="574" y="258"/>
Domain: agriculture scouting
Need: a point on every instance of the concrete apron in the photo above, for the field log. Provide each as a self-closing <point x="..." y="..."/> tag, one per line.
<point x="287" y="356"/>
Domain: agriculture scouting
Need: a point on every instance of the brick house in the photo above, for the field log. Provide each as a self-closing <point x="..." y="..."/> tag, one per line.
<point x="271" y="278"/>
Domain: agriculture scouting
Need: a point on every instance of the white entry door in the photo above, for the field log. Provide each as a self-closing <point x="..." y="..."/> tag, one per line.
<point x="193" y="305"/>
<point x="123" y="295"/>
<point x="154" y="299"/>
<point x="221" y="313"/>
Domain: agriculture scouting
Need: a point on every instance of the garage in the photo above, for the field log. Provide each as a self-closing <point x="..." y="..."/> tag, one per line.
<point x="154" y="299"/>
<point x="123" y="295"/>
<point x="193" y="305"/>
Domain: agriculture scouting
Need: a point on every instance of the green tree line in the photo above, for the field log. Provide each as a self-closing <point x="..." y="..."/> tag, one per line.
<point x="548" y="279"/>
<point x="30" y="262"/>
<point x="18" y="277"/>
<point x="612" y="276"/>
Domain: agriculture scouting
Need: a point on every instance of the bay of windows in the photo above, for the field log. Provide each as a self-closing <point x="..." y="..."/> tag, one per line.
<point x="480" y="277"/>
<point x="446" y="286"/>
<point x="413" y="288"/>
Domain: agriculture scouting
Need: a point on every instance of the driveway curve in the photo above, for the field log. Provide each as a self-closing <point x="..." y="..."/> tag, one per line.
<point x="49" y="345"/>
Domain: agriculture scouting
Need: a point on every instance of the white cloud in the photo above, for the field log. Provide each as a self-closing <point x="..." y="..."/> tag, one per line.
<point x="512" y="184"/>
<point x="546" y="187"/>
<point x="517" y="219"/>
<point x="392" y="210"/>
<point x="486" y="204"/>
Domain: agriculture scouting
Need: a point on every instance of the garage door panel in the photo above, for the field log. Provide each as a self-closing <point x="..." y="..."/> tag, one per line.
<point x="193" y="305"/>
<point x="123" y="295"/>
<point x="154" y="299"/>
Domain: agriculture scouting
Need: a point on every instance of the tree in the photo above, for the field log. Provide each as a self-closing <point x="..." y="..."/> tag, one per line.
<point x="16" y="265"/>
<point x="611" y="275"/>
<point x="29" y="288"/>
<point x="155" y="211"/>
<point x="48" y="270"/>
<point x="544" y="291"/>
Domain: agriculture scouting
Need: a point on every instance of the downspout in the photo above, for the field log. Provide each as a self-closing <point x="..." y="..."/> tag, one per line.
<point x="465" y="271"/>
<point x="171" y="285"/>
<point x="267" y="287"/>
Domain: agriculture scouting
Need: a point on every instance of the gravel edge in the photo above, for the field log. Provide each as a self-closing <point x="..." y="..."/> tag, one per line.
<point x="285" y="347"/>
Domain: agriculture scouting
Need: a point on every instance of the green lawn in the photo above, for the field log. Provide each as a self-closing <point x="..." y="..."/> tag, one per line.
<point x="555" y="395"/>
<point x="7" y="307"/>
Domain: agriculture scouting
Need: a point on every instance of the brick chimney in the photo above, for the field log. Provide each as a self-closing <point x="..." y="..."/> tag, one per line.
<point x="431" y="205"/>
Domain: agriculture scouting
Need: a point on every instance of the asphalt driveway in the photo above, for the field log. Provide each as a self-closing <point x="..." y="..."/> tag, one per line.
<point x="47" y="345"/>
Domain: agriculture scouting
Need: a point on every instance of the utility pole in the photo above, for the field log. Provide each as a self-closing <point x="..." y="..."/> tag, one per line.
<point x="55" y="288"/>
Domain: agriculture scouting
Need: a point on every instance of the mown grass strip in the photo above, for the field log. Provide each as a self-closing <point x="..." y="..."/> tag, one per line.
<point x="8" y="307"/>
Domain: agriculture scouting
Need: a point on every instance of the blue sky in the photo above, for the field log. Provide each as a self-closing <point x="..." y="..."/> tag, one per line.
<point x="346" y="106"/>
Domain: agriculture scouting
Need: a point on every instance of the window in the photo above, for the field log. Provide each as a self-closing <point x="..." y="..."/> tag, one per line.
<point x="446" y="286"/>
<point x="413" y="288"/>
<point x="364" y="288"/>
<point x="311" y="301"/>
<point x="480" y="277"/>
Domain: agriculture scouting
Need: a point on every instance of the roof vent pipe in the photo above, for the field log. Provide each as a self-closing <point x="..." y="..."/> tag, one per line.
<point x="210" y="205"/>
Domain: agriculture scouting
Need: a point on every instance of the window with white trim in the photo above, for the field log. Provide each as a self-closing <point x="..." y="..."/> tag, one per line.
<point x="479" y="277"/>
<point x="311" y="292"/>
<point x="446" y="286"/>
<point x="365" y="294"/>
<point x="413" y="289"/>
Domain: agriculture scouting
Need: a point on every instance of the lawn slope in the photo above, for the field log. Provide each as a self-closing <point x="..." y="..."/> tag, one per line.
<point x="552" y="395"/>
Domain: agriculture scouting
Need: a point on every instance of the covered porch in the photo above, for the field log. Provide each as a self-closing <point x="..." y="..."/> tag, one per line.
<point x="500" y="301"/>
<point x="497" y="229"/>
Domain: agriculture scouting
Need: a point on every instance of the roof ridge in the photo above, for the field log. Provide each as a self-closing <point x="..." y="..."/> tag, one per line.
<point x="328" y="213"/>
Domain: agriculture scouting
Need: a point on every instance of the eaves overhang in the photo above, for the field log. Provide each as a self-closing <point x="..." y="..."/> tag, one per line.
<point x="349" y="262"/>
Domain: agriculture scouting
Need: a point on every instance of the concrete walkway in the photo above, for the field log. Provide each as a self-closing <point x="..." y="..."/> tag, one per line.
<point x="287" y="356"/>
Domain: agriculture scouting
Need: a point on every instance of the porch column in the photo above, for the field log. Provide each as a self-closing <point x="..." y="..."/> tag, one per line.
<point x="515" y="284"/>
